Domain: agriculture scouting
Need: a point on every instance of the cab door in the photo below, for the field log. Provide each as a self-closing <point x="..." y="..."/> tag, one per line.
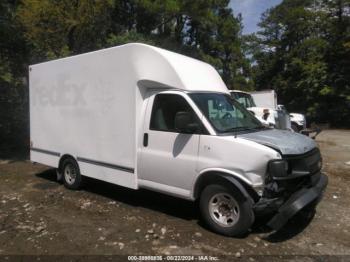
<point x="168" y="158"/>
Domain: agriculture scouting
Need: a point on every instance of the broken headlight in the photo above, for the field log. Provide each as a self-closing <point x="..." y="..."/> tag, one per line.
<point x="278" y="168"/>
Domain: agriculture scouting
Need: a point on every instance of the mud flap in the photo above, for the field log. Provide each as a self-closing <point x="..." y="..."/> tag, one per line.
<point x="297" y="202"/>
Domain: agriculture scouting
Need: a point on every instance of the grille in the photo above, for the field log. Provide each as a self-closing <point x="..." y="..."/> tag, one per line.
<point x="311" y="162"/>
<point x="307" y="162"/>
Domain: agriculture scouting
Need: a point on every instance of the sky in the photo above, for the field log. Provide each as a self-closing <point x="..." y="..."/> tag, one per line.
<point x="251" y="11"/>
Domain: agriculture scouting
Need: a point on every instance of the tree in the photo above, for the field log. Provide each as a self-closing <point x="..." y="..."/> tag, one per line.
<point x="302" y="53"/>
<point x="59" y="28"/>
<point x="202" y="29"/>
<point x="13" y="58"/>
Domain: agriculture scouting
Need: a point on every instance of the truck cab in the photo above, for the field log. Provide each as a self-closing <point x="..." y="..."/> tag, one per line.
<point x="224" y="137"/>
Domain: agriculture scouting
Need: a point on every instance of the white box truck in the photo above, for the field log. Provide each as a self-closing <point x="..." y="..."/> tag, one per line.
<point x="143" y="117"/>
<point x="263" y="104"/>
<point x="265" y="98"/>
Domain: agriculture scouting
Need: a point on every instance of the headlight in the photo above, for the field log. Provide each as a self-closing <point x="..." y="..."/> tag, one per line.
<point x="278" y="168"/>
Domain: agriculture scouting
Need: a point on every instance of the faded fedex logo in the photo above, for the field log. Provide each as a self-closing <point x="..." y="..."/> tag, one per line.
<point x="61" y="92"/>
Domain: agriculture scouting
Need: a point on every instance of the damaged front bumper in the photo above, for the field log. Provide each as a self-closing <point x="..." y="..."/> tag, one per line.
<point x="285" y="207"/>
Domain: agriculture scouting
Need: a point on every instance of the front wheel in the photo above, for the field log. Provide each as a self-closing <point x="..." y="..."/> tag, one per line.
<point x="71" y="174"/>
<point x="225" y="210"/>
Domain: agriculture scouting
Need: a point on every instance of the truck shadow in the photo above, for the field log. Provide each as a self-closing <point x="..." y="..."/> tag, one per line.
<point x="136" y="198"/>
<point x="180" y="208"/>
<point x="294" y="227"/>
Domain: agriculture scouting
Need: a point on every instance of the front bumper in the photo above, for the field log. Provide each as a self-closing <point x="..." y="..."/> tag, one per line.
<point x="285" y="209"/>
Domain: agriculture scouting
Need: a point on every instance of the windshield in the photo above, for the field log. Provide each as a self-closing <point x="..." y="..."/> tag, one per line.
<point x="244" y="99"/>
<point x="224" y="113"/>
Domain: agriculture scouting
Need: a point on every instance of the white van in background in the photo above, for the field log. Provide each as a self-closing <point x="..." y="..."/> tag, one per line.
<point x="263" y="104"/>
<point x="143" y="117"/>
<point x="298" y="121"/>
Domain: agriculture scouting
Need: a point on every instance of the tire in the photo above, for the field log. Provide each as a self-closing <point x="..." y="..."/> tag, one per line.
<point x="233" y="217"/>
<point x="72" y="178"/>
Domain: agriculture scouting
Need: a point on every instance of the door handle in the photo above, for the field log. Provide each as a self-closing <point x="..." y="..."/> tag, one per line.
<point x="145" y="139"/>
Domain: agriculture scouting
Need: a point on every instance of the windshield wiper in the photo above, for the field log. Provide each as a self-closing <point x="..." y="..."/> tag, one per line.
<point x="259" y="127"/>
<point x="243" y="128"/>
<point x="238" y="128"/>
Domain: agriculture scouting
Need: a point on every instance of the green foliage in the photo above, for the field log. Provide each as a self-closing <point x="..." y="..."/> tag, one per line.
<point x="303" y="53"/>
<point x="203" y="29"/>
<point x="13" y="92"/>
<point x="127" y="37"/>
<point x="59" y="28"/>
<point x="5" y="74"/>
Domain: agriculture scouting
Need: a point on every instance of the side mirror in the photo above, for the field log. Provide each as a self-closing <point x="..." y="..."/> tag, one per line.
<point x="184" y="123"/>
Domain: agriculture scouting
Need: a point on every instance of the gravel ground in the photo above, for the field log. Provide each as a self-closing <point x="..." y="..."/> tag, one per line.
<point x="38" y="216"/>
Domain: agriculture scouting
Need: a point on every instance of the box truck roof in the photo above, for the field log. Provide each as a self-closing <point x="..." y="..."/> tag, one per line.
<point x="151" y="66"/>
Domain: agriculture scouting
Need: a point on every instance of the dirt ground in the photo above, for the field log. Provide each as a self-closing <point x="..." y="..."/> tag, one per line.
<point x="38" y="216"/>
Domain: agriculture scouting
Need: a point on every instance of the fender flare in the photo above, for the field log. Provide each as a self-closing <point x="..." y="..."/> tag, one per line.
<point x="237" y="184"/>
<point x="224" y="178"/>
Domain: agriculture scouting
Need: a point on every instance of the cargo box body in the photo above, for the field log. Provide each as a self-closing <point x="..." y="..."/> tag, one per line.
<point x="81" y="106"/>
<point x="266" y="98"/>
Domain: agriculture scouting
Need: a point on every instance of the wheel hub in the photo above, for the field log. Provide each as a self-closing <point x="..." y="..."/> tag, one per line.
<point x="70" y="174"/>
<point x="224" y="209"/>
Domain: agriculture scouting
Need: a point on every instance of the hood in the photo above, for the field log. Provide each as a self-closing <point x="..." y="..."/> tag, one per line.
<point x="287" y="142"/>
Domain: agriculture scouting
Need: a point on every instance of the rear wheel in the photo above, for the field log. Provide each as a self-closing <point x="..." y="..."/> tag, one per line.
<point x="72" y="178"/>
<point x="225" y="210"/>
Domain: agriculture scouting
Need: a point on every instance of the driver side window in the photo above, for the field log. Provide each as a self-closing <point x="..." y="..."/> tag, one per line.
<point x="165" y="108"/>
